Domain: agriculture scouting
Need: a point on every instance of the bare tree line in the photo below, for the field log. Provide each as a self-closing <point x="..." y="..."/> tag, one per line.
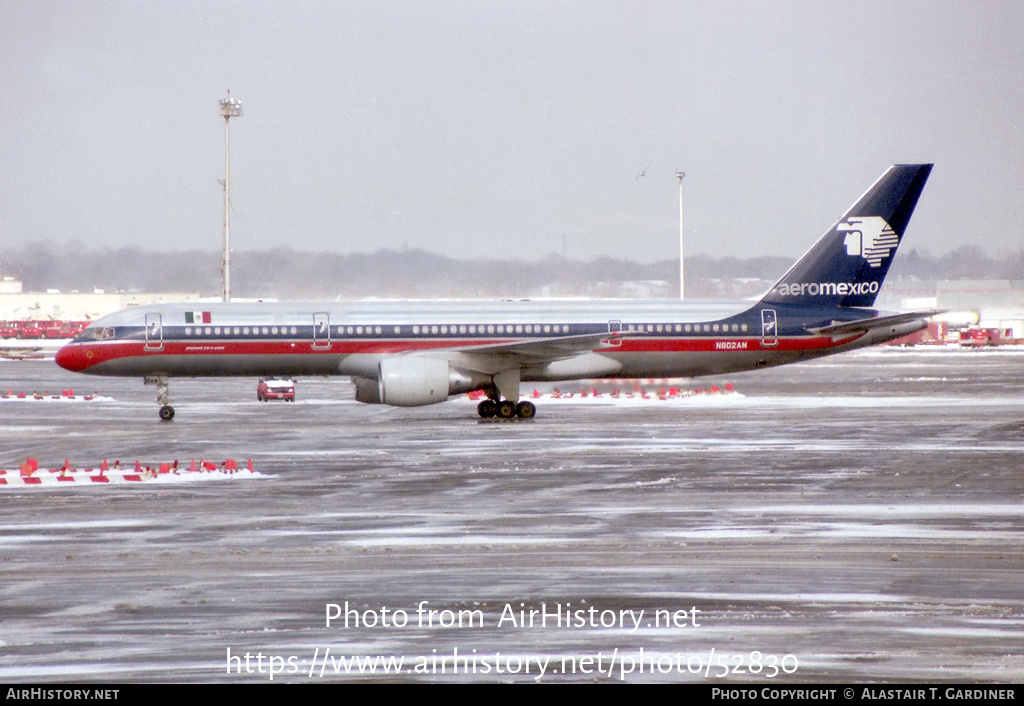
<point x="284" y="273"/>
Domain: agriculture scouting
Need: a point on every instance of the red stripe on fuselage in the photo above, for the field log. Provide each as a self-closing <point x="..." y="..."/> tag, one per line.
<point x="721" y="345"/>
<point x="80" y="357"/>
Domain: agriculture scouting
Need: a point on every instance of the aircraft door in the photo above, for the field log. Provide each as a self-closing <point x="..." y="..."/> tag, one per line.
<point x="614" y="326"/>
<point x="154" y="332"/>
<point x="321" y="330"/>
<point x="769" y="328"/>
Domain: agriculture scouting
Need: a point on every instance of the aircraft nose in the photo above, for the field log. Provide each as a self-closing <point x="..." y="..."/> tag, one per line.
<point x="72" y="357"/>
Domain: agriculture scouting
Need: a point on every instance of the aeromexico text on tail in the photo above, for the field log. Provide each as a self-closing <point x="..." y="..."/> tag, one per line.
<point x="413" y="353"/>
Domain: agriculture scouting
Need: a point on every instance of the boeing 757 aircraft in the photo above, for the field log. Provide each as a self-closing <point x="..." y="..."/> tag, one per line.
<point x="413" y="353"/>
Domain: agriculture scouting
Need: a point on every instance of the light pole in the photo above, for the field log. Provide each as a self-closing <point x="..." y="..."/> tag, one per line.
<point x="679" y="177"/>
<point x="229" y="108"/>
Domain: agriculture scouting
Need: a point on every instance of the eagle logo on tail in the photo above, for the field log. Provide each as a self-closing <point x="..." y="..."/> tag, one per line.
<point x="870" y="237"/>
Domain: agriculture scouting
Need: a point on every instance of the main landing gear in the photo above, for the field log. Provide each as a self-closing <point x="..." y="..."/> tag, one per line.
<point x="506" y="384"/>
<point x="163" y="399"/>
<point x="506" y="409"/>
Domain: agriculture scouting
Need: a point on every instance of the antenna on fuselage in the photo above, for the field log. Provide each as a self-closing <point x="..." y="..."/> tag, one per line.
<point x="229" y="108"/>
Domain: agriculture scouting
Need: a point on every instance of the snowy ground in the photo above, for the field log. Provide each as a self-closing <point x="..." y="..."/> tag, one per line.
<point x="854" y="519"/>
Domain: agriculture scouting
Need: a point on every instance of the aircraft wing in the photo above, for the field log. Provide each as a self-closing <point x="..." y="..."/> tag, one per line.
<point x="564" y="357"/>
<point x="864" y="325"/>
<point x="543" y="350"/>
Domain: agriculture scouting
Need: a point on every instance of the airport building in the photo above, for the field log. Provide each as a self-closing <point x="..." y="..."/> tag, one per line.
<point x="988" y="303"/>
<point x="16" y="305"/>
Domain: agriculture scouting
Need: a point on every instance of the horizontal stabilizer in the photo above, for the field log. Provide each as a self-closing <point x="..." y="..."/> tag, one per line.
<point x="862" y="325"/>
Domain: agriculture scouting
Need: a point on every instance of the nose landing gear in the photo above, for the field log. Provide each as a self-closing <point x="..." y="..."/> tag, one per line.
<point x="163" y="399"/>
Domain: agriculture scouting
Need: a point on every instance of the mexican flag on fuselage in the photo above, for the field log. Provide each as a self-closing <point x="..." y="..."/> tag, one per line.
<point x="198" y="317"/>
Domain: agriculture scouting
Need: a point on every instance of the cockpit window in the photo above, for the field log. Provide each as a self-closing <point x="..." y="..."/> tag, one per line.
<point x="99" y="333"/>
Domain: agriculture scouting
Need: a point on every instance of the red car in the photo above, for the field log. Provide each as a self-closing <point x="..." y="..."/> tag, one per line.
<point x="275" y="390"/>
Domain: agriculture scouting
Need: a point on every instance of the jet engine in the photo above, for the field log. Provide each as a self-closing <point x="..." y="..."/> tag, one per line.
<point x="414" y="381"/>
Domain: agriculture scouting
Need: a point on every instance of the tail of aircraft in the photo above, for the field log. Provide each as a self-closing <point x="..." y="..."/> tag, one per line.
<point x="847" y="265"/>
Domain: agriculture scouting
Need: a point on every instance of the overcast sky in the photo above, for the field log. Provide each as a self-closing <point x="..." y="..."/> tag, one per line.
<point x="506" y="129"/>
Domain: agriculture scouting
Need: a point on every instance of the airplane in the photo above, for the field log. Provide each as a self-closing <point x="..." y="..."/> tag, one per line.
<point x="414" y="353"/>
<point x="31" y="353"/>
<point x="15" y="348"/>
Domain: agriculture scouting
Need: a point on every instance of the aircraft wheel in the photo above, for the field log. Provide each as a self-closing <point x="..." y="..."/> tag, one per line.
<point x="167" y="413"/>
<point x="526" y="410"/>
<point x="506" y="409"/>
<point x="487" y="409"/>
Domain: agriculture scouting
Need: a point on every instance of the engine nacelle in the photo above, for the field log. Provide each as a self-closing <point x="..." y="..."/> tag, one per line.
<point x="413" y="381"/>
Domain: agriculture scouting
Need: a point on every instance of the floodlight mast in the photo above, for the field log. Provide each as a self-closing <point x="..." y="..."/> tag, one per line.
<point x="229" y="108"/>
<point x="679" y="176"/>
